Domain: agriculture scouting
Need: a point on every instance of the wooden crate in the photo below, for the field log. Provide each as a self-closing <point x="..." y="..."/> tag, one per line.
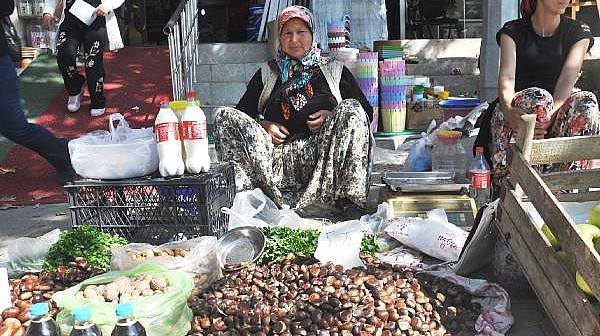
<point x="570" y="310"/>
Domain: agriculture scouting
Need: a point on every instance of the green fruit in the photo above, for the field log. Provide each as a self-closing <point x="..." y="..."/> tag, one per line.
<point x="582" y="284"/>
<point x="590" y="235"/>
<point x="551" y="237"/>
<point x="594" y="215"/>
<point x="568" y="262"/>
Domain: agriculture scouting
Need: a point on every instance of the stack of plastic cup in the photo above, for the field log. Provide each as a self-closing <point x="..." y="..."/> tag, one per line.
<point x="336" y="36"/>
<point x="392" y="100"/>
<point x="348" y="56"/>
<point x="367" y="75"/>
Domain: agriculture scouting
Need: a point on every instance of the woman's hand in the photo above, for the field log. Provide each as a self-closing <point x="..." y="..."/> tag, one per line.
<point x="101" y="10"/>
<point x="542" y="128"/>
<point x="316" y="119"/>
<point x="277" y="131"/>
<point x="47" y="20"/>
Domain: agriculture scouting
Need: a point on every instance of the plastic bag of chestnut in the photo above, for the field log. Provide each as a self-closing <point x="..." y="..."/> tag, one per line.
<point x="197" y="257"/>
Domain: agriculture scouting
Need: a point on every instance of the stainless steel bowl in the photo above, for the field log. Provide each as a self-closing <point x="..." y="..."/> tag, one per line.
<point x="240" y="247"/>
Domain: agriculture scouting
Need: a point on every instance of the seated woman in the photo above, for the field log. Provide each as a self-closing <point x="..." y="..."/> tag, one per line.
<point x="540" y="60"/>
<point x="302" y="127"/>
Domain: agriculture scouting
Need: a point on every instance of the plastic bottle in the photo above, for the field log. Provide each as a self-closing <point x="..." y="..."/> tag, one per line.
<point x="127" y="325"/>
<point x="41" y="322"/>
<point x="479" y="172"/>
<point x="195" y="137"/>
<point x="82" y="323"/>
<point x="168" y="140"/>
<point x="449" y="155"/>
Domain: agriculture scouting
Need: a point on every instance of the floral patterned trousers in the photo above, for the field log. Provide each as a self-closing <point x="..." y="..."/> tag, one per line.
<point x="330" y="165"/>
<point x="578" y="116"/>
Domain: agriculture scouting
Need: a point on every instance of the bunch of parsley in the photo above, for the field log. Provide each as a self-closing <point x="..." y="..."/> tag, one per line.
<point x="83" y="241"/>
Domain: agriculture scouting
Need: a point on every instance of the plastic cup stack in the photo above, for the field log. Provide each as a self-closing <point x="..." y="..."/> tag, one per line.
<point x="367" y="75"/>
<point x="348" y="56"/>
<point x="394" y="85"/>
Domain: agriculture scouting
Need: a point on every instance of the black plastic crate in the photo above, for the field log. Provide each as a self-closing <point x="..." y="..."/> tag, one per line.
<point x="155" y="210"/>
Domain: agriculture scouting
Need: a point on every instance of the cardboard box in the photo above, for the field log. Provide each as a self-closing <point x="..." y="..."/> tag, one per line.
<point x="419" y="115"/>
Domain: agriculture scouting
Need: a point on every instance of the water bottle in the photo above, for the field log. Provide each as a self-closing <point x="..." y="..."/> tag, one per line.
<point x="127" y="325"/>
<point x="480" y="175"/>
<point x="41" y="322"/>
<point x="82" y="323"/>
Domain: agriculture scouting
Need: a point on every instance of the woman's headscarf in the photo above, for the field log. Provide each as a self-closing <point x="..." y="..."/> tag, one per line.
<point x="290" y="67"/>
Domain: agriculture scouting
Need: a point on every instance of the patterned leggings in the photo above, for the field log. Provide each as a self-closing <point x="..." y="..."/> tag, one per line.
<point x="327" y="166"/>
<point x="578" y="116"/>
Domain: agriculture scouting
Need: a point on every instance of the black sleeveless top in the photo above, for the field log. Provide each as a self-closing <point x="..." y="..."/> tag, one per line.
<point x="540" y="59"/>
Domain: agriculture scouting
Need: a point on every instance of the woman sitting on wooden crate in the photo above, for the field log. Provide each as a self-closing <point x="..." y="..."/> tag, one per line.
<point x="301" y="130"/>
<point x="541" y="58"/>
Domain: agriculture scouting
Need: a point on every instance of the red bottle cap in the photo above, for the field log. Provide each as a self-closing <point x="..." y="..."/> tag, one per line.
<point x="191" y="95"/>
<point x="479" y="150"/>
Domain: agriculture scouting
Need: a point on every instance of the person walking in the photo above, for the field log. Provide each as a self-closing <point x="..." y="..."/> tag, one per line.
<point x="14" y="125"/>
<point x="72" y="33"/>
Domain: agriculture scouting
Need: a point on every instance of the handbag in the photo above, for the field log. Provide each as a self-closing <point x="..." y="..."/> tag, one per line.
<point x="12" y="39"/>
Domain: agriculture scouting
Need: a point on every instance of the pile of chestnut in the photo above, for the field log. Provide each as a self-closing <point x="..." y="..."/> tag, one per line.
<point x="34" y="288"/>
<point x="304" y="297"/>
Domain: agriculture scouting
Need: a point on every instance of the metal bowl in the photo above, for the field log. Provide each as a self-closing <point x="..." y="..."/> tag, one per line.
<point x="240" y="247"/>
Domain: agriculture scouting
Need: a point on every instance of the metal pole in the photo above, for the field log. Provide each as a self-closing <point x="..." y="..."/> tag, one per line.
<point x="402" y="19"/>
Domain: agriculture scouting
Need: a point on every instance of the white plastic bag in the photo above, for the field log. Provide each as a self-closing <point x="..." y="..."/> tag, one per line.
<point x="434" y="236"/>
<point x="122" y="152"/>
<point x="340" y="244"/>
<point x="201" y="259"/>
<point x="26" y="255"/>
<point x="254" y="208"/>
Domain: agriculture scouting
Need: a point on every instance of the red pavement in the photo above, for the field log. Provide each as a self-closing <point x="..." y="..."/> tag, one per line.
<point x="135" y="77"/>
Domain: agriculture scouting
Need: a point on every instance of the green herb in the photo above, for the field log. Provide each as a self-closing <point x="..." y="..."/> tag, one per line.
<point x="86" y="242"/>
<point x="282" y="242"/>
<point x="369" y="245"/>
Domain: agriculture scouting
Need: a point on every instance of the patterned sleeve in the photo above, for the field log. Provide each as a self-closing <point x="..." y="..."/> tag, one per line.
<point x="580" y="31"/>
<point x="249" y="101"/>
<point x="349" y="89"/>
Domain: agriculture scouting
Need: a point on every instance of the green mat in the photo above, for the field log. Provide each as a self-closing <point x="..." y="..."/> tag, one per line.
<point x="40" y="83"/>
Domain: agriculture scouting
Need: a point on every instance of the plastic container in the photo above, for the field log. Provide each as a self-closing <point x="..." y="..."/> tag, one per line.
<point x="82" y="323"/>
<point x="453" y="107"/>
<point x="448" y="155"/>
<point x="41" y="322"/>
<point x="153" y="210"/>
<point x="127" y="325"/>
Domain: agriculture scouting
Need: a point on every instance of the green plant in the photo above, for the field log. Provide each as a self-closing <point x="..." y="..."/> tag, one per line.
<point x="282" y="242"/>
<point x="86" y="242"/>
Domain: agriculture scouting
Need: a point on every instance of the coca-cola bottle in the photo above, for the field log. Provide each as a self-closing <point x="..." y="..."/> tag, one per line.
<point x="168" y="141"/>
<point x="480" y="175"/>
<point x="195" y="137"/>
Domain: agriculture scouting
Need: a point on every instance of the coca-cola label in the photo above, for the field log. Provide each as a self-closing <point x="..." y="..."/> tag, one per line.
<point x="167" y="131"/>
<point x="480" y="180"/>
<point x="193" y="130"/>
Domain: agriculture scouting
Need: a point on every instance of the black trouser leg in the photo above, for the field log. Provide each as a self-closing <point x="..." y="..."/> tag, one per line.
<point x="94" y="43"/>
<point x="68" y="39"/>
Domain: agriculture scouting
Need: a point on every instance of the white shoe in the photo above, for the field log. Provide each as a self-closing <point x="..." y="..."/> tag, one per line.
<point x="97" y="112"/>
<point x="74" y="102"/>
